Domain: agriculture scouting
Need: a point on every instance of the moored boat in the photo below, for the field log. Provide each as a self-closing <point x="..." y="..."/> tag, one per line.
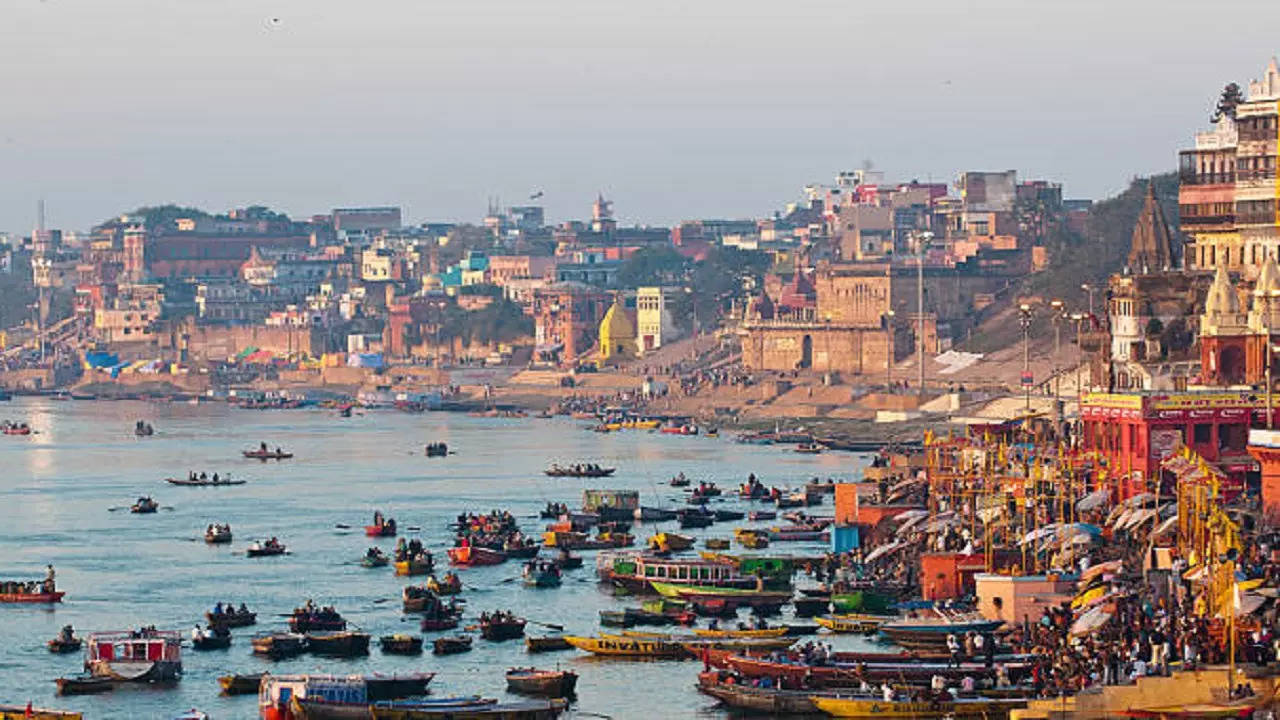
<point x="84" y="685"/>
<point x="398" y="685"/>
<point x="264" y="454"/>
<point x="232" y="618"/>
<point x="547" y="683"/>
<point x="212" y="641"/>
<point x="240" y="684"/>
<point x="477" y="710"/>
<point x="671" y="542"/>
<point x="761" y="633"/>
<point x="740" y="696"/>
<point x="545" y="644"/>
<point x="469" y="555"/>
<point x="850" y="623"/>
<point x="626" y="646"/>
<point x="451" y="645"/>
<point x="866" y="707"/>
<point x="716" y="543"/>
<point x="740" y="596"/>
<point x="278" y="645"/>
<point x="146" y="655"/>
<point x="501" y="626"/>
<point x="338" y="643"/>
<point x="30" y="712"/>
<point x="400" y="644"/>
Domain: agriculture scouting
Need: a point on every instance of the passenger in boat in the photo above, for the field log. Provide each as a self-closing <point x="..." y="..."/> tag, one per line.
<point x="262" y="447"/>
<point x="377" y="518"/>
<point x="197" y="634"/>
<point x="217" y="609"/>
<point x="215" y="477"/>
<point x="204" y="476"/>
<point x="67" y="634"/>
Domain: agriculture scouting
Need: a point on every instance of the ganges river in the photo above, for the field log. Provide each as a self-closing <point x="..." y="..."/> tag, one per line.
<point x="58" y="487"/>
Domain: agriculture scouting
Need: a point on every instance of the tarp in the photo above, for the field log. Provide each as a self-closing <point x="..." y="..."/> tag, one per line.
<point x="369" y="360"/>
<point x="246" y="352"/>
<point x="1094" y="618"/>
<point x="1093" y="500"/>
<point x="101" y="359"/>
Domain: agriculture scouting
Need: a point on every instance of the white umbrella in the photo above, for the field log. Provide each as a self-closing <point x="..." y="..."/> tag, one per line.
<point x="882" y="551"/>
<point x="1040" y="532"/>
<point x="1092" y="619"/>
<point x="911" y="515"/>
<point x="1139" y="499"/>
<point x="1093" y="500"/>
<point x="941" y="522"/>
<point x="1165" y="526"/>
<point x="1138" y="517"/>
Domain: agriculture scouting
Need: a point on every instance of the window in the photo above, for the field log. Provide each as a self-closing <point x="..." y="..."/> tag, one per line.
<point x="1201" y="433"/>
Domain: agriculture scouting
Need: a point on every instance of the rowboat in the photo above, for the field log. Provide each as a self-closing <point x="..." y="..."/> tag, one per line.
<point x="415" y="566"/>
<point x="847" y="674"/>
<point x="765" y="633"/>
<point x="265" y="550"/>
<point x="212" y="641"/>
<point x="716" y="543"/>
<point x="471" y="555"/>
<point x="864" y="707"/>
<point x="579" y="472"/>
<point x="60" y="646"/>
<point x="545" y="644"/>
<point x="503" y="629"/>
<point x="451" y="645"/>
<point x="278" y="645"/>
<point x="341" y="643"/>
<point x="24" y="712"/>
<point x="376" y="560"/>
<point x="232" y="619"/>
<point x="480" y="710"/>
<point x="218" y="536"/>
<point x="800" y="534"/>
<point x="547" y="683"/>
<point x="752" y="539"/>
<point x="541" y="577"/>
<point x="400" y="644"/>
<point x="246" y="684"/>
<point x="399" y="685"/>
<point x="188" y="482"/>
<point x="863" y="601"/>
<point x="38" y="597"/>
<point x="144" y="506"/>
<point x="850" y="623"/>
<point x="626" y="647"/>
<point x="695" y="518"/>
<point x="387" y="529"/>
<point x="84" y="685"/>
<point x="451" y="585"/>
<point x="757" y="515"/>
<point x="770" y="701"/>
<point x="728" y="515"/>
<point x="927" y="632"/>
<point x="265" y="455"/>
<point x="671" y="542"/>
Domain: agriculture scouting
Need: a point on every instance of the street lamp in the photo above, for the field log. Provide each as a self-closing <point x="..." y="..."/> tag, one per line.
<point x="1078" y="319"/>
<point x="1089" y="289"/>
<point x="1058" y="314"/>
<point x="888" y="358"/>
<point x="1024" y="318"/>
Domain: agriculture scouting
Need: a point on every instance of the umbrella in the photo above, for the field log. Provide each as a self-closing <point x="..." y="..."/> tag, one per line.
<point x="911" y="515"/>
<point x="882" y="551"/>
<point x="941" y="522"/>
<point x="1106" y="568"/>
<point x="1092" y="619"/>
<point x="1089" y="528"/>
<point x="1093" y="500"/>
<point x="1139" y="499"/>
<point x="1040" y="532"/>
<point x="905" y="484"/>
<point x="1138" y="517"/>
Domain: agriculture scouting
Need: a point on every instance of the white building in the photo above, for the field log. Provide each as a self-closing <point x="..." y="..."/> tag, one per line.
<point x="655" y="323"/>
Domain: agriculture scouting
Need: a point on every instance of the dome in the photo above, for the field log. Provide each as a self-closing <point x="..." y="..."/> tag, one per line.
<point x="616" y="324"/>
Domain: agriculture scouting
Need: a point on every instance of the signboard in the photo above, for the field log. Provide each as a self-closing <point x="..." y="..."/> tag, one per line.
<point x="1113" y="400"/>
<point x="1203" y="401"/>
<point x="1027" y="379"/>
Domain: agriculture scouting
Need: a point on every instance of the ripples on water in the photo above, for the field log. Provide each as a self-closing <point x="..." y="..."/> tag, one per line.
<point x="122" y="570"/>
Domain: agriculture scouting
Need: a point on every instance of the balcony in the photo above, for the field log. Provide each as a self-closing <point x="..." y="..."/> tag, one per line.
<point x="1190" y="177"/>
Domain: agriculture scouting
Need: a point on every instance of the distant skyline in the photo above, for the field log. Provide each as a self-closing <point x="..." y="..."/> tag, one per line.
<point x="675" y="110"/>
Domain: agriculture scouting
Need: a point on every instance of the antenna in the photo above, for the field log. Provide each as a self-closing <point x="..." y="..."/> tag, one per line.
<point x="40" y="215"/>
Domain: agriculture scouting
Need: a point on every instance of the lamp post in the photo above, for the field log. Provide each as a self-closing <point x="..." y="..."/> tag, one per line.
<point x="1078" y="319"/>
<point x="1024" y="319"/>
<point x="1089" y="289"/>
<point x="922" y="241"/>
<point x="1058" y="315"/>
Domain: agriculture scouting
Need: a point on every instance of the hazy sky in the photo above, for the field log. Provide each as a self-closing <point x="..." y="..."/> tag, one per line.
<point x="696" y="108"/>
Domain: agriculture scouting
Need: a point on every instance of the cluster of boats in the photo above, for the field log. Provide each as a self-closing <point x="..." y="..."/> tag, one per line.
<point x="9" y="427"/>
<point x="579" y="470"/>
<point x="204" y="480"/>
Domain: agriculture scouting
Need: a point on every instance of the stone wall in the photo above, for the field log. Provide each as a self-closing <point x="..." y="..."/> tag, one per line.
<point x="216" y="343"/>
<point x="818" y="347"/>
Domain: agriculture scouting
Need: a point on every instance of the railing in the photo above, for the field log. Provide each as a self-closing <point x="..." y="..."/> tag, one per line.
<point x="1187" y="177"/>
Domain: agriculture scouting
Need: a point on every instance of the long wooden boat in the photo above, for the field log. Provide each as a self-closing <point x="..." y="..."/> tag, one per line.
<point x="232" y="619"/>
<point x="188" y="482"/>
<point x="850" y="623"/>
<point x="626" y="647"/>
<point x="242" y="684"/>
<point x="410" y="568"/>
<point x="769" y="701"/>
<point x="547" y="683"/>
<point x="305" y="622"/>
<point x="427" y="710"/>
<point x="471" y="556"/>
<point x="810" y="606"/>
<point x="265" y="455"/>
<point x="87" y="685"/>
<point x="738" y="595"/>
<point x="40" y="597"/>
<point x="59" y="646"/>
<point x="502" y="629"/>
<point x="545" y="644"/>
<point x="765" y="633"/>
<point x="451" y="645"/>
<point x="212" y="641"/>
<point x="671" y="542"/>
<point x="265" y="550"/>
<point x="218" y="537"/>
<point x="23" y="712"/>
<point x="400" y="644"/>
<point x="278" y="645"/>
<point x="339" y="643"/>
<point x="395" y="686"/>
<point x="579" y="473"/>
<point x="864" y="707"/>
<point x="925" y="632"/>
<point x="846" y="675"/>
<point x="386" y="529"/>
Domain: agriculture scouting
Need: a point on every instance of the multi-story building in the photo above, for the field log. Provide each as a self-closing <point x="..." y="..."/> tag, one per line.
<point x="503" y="268"/>
<point x="366" y="220"/>
<point x="566" y="319"/>
<point x="1229" y="200"/>
<point x="655" y="322"/>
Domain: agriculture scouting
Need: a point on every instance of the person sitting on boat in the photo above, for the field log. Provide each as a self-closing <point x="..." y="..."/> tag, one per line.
<point x="197" y="634"/>
<point x="215" y="477"/>
<point x="204" y="476"/>
<point x="217" y="609"/>
<point x="262" y="447"/>
<point x="67" y="634"/>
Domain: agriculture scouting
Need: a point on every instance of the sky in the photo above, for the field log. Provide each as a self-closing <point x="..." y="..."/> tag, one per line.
<point x="673" y="109"/>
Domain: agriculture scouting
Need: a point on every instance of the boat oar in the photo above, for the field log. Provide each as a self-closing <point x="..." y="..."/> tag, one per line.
<point x="549" y="626"/>
<point x="342" y="526"/>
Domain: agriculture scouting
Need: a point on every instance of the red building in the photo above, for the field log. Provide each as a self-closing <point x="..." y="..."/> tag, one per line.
<point x="567" y="319"/>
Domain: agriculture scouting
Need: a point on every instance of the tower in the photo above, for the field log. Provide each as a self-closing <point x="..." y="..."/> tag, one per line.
<point x="1151" y="248"/>
<point x="1224" y="334"/>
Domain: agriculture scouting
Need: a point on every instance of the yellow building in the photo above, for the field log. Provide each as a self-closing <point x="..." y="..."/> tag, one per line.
<point x="617" y="334"/>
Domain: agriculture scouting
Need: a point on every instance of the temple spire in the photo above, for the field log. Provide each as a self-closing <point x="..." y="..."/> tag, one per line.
<point x="1151" y="250"/>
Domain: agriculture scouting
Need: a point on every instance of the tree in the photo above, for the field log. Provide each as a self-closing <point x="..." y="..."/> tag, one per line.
<point x="653" y="266"/>
<point x="1231" y="98"/>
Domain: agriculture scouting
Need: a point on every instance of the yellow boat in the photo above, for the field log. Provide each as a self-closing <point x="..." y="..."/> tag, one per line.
<point x="617" y="646"/>
<point x="16" y="712"/>
<point x="411" y="567"/>
<point x="850" y="623"/>
<point x="875" y="708"/>
<point x="766" y="633"/>
<point x="671" y="542"/>
<point x="641" y="424"/>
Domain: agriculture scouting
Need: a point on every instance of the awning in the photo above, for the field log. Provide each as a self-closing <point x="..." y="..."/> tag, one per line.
<point x="1093" y="500"/>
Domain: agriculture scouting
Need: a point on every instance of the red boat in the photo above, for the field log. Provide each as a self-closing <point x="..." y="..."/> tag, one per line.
<point x="387" y="529"/>
<point x="470" y="555"/>
<point x="40" y="597"/>
<point x="680" y="430"/>
<point x="17" y="430"/>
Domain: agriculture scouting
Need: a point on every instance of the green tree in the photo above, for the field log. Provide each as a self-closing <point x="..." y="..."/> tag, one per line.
<point x="653" y="266"/>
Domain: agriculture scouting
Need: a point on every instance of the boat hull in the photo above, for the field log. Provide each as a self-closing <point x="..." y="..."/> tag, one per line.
<point x="471" y="555"/>
<point x="53" y="597"/>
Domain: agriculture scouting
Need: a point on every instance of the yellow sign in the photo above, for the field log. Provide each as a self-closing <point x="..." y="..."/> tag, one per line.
<point x="1113" y="400"/>
<point x="1203" y="401"/>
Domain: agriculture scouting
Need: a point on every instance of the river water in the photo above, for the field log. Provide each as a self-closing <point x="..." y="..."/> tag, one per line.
<point x="122" y="570"/>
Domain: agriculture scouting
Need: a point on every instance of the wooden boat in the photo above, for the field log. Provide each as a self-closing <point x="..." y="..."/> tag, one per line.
<point x="798" y="534"/>
<point x="617" y="618"/>
<point x="386" y="529"/>
<point x="414" y="567"/>
<point x="808" y="607"/>
<point x="436" y="623"/>
<point x="567" y="561"/>
<point x="739" y="595"/>
<point x="502" y="629"/>
<point x="810" y="448"/>
<point x="144" y="506"/>
<point x="242" y="684"/>
<point x="716" y="543"/>
<point x="85" y="685"/>
<point x="59" y="646"/>
<point x="757" y="515"/>
<point x="877" y="708"/>
<point x="766" y="633"/>
<point x="626" y="647"/>
<point x="799" y="630"/>
<point x="400" y="685"/>
<point x="680" y="481"/>
<point x="234" y="619"/>
<point x="545" y="644"/>
<point x="265" y="455"/>
<point x="302" y="621"/>
<point x="265" y="550"/>
<point x="521" y="552"/>
<point x="471" y="555"/>
<point x="36" y="597"/>
<point x="451" y="645"/>
<point x="850" y="623"/>
<point x="680" y="430"/>
<point x="376" y="560"/>
<point x="542" y="577"/>
<point x="400" y="644"/>
<point x="278" y="645"/>
<point x="212" y="641"/>
<point x="479" y="710"/>
<point x="24" y="712"/>
<point x="768" y="701"/>
<point x="928" y="631"/>
<point x="863" y="601"/>
<point x="752" y="539"/>
<point x="579" y="472"/>
<point x="339" y="643"/>
<point x="546" y="683"/>
<point x="846" y="674"/>
<point x="671" y="542"/>
<point x="653" y="514"/>
<point x="218" y="536"/>
<point x="188" y="482"/>
<point x="17" y="430"/>
<point x="695" y="518"/>
<point x="451" y="585"/>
